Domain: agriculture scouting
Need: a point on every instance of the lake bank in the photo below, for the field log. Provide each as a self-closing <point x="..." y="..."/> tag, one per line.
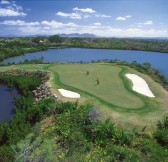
<point x="23" y="82"/>
<point x="156" y="59"/>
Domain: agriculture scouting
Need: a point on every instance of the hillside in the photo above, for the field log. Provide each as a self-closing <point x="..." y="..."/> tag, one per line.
<point x="109" y="122"/>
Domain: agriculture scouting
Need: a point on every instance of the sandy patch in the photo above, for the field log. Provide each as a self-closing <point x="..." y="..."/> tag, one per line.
<point x="69" y="94"/>
<point x="140" y="85"/>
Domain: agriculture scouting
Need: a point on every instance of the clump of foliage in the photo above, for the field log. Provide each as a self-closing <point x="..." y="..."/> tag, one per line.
<point x="71" y="133"/>
<point x="18" y="46"/>
<point x="55" y="39"/>
<point x="25" y="84"/>
<point x="161" y="133"/>
<point x="26" y="61"/>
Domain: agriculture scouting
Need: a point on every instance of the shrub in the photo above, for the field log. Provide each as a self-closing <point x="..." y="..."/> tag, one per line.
<point x="161" y="133"/>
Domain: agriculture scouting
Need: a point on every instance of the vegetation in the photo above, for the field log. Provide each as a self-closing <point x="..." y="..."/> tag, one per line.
<point x="52" y="130"/>
<point x="55" y="39"/>
<point x="24" y="84"/>
<point x="118" y="43"/>
<point x="26" y="113"/>
<point x="66" y="131"/>
<point x="73" y="133"/>
<point x="10" y="47"/>
<point x="161" y="133"/>
<point x="32" y="61"/>
<point x="18" y="46"/>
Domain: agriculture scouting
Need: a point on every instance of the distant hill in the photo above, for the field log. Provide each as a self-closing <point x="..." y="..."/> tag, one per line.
<point x="87" y="35"/>
<point x="84" y="35"/>
<point x="149" y="38"/>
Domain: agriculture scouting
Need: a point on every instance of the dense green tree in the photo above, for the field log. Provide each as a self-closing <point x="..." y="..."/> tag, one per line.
<point x="38" y="39"/>
<point x="55" y="38"/>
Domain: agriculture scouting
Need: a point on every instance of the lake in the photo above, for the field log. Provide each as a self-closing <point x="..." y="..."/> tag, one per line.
<point x="158" y="60"/>
<point x="7" y="96"/>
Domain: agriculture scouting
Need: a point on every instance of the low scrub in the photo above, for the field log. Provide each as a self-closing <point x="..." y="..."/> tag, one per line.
<point x="69" y="133"/>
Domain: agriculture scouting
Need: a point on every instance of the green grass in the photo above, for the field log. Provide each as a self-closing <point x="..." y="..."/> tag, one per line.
<point x="113" y="97"/>
<point x="111" y="88"/>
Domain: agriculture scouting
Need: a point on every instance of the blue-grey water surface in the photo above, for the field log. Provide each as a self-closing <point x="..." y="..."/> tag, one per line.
<point x="7" y="96"/>
<point x="158" y="60"/>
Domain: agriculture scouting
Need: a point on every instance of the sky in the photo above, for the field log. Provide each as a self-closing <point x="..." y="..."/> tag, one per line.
<point x="105" y="18"/>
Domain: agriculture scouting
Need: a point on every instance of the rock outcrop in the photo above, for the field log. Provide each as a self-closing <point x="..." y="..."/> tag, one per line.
<point x="41" y="92"/>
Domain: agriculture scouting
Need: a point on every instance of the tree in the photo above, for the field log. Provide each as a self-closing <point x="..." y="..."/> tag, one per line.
<point x="147" y="65"/>
<point x="55" y="38"/>
<point x="38" y="39"/>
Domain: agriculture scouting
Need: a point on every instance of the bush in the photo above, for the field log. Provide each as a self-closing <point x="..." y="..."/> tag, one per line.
<point x="161" y="133"/>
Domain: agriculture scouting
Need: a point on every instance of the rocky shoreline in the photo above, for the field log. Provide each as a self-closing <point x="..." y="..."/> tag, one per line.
<point x="41" y="92"/>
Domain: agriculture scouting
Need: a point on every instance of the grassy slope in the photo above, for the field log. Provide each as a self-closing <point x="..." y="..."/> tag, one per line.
<point x="113" y="97"/>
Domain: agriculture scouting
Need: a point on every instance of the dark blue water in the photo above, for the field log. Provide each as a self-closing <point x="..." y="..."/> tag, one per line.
<point x="158" y="60"/>
<point x="7" y="102"/>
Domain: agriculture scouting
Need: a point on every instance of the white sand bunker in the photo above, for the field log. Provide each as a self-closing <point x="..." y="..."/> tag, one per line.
<point x="69" y="94"/>
<point x="140" y="85"/>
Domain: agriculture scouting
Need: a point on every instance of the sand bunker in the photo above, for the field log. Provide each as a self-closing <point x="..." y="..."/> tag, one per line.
<point x="140" y="85"/>
<point x="69" y="94"/>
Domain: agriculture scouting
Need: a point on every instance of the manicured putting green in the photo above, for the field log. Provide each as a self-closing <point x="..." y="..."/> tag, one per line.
<point x="110" y="89"/>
